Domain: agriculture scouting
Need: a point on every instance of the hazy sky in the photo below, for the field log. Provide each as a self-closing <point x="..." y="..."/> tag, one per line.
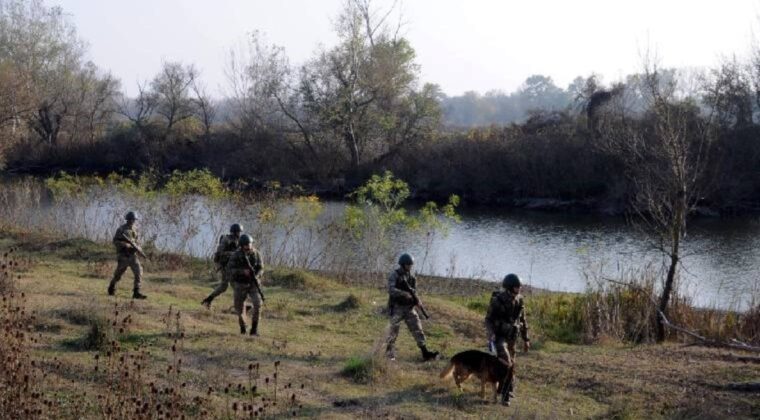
<point x="461" y="44"/>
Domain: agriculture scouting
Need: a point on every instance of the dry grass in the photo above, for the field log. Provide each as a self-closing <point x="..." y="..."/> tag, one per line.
<point x="173" y="355"/>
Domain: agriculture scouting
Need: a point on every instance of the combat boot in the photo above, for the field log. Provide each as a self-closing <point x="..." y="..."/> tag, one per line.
<point x="111" y="290"/>
<point x="390" y="353"/>
<point x="255" y="329"/>
<point x="506" y="391"/>
<point x="242" y="329"/>
<point x="207" y="303"/>
<point x="137" y="295"/>
<point x="427" y="354"/>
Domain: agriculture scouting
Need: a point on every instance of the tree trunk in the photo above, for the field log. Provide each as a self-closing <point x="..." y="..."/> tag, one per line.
<point x="667" y="290"/>
<point x="353" y="147"/>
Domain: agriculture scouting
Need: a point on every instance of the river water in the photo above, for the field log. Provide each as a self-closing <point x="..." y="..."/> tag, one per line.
<point x="721" y="266"/>
<point x="554" y="251"/>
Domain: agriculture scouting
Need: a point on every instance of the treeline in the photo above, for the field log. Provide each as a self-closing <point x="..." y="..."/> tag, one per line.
<point x="538" y="92"/>
<point x="358" y="108"/>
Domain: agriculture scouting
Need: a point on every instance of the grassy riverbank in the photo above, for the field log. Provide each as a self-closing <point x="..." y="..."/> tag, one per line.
<point x="323" y="332"/>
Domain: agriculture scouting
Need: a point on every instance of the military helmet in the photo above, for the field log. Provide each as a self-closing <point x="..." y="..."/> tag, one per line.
<point x="510" y="281"/>
<point x="245" y="240"/>
<point x="405" y="259"/>
<point x="236" y="228"/>
<point x="130" y="216"/>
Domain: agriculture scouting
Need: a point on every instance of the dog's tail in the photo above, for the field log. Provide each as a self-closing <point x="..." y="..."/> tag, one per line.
<point x="448" y="371"/>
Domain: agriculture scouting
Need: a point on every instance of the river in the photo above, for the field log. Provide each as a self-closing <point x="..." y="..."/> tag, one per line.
<point x="560" y="252"/>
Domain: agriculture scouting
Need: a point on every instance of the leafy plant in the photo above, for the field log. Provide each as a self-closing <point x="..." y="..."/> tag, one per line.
<point x="195" y="182"/>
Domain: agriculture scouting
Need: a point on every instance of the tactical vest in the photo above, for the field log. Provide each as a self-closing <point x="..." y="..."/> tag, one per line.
<point x="230" y="245"/>
<point x="411" y="280"/>
<point x="131" y="233"/>
<point x="505" y="314"/>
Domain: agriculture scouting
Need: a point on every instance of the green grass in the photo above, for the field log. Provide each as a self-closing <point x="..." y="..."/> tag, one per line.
<point x="327" y="336"/>
<point x="360" y="370"/>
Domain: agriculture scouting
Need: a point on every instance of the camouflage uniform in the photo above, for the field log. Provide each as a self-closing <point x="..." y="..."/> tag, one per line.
<point x="401" y="308"/>
<point x="126" y="257"/>
<point x="245" y="284"/>
<point x="506" y="315"/>
<point x="228" y="244"/>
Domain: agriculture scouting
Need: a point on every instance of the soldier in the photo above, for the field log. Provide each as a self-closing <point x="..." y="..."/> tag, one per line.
<point x="228" y="244"/>
<point x="506" y="315"/>
<point x="243" y="270"/>
<point x="125" y="241"/>
<point x="401" y="307"/>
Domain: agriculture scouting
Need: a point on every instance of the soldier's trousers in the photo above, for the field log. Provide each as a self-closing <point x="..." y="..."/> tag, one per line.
<point x="241" y="292"/>
<point x="412" y="320"/>
<point x="221" y="288"/>
<point x="505" y="349"/>
<point x="123" y="262"/>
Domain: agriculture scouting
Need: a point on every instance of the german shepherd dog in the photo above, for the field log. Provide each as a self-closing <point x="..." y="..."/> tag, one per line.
<point x="487" y="367"/>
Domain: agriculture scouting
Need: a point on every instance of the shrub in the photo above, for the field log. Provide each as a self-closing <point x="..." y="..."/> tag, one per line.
<point x="8" y="264"/>
<point x="64" y="185"/>
<point x="362" y="369"/>
<point x="558" y="317"/>
<point x="77" y="315"/>
<point x="350" y="303"/>
<point x="298" y="280"/>
<point x="195" y="182"/>
<point x="620" y="311"/>
<point x="98" y="335"/>
<point x="749" y="325"/>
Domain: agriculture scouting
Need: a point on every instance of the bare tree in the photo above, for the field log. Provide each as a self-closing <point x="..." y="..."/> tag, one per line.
<point x="729" y="94"/>
<point x="91" y="99"/>
<point x="376" y="21"/>
<point x="46" y="122"/>
<point x="265" y="95"/>
<point x="140" y="109"/>
<point x="101" y="104"/>
<point x="665" y="155"/>
<point x="355" y="88"/>
<point x="253" y="72"/>
<point x="14" y="105"/>
<point x="172" y="89"/>
<point x="360" y="96"/>
<point x="205" y="108"/>
<point x="42" y="45"/>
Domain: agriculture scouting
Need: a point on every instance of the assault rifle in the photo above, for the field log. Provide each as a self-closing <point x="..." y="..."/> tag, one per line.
<point x="407" y="288"/>
<point x="134" y="245"/>
<point x="255" y="280"/>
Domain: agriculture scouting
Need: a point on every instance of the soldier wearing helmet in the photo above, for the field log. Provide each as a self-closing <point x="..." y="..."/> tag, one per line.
<point x="228" y="244"/>
<point x="401" y="307"/>
<point x="505" y="318"/>
<point x="244" y="270"/>
<point x="125" y="241"/>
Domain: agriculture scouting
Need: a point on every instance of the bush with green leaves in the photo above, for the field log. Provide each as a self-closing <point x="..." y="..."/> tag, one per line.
<point x="195" y="182"/>
<point x="377" y="215"/>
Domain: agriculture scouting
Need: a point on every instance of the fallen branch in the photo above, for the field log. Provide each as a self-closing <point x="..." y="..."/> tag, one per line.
<point x="743" y="386"/>
<point x="735" y="344"/>
<point x="746" y="359"/>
